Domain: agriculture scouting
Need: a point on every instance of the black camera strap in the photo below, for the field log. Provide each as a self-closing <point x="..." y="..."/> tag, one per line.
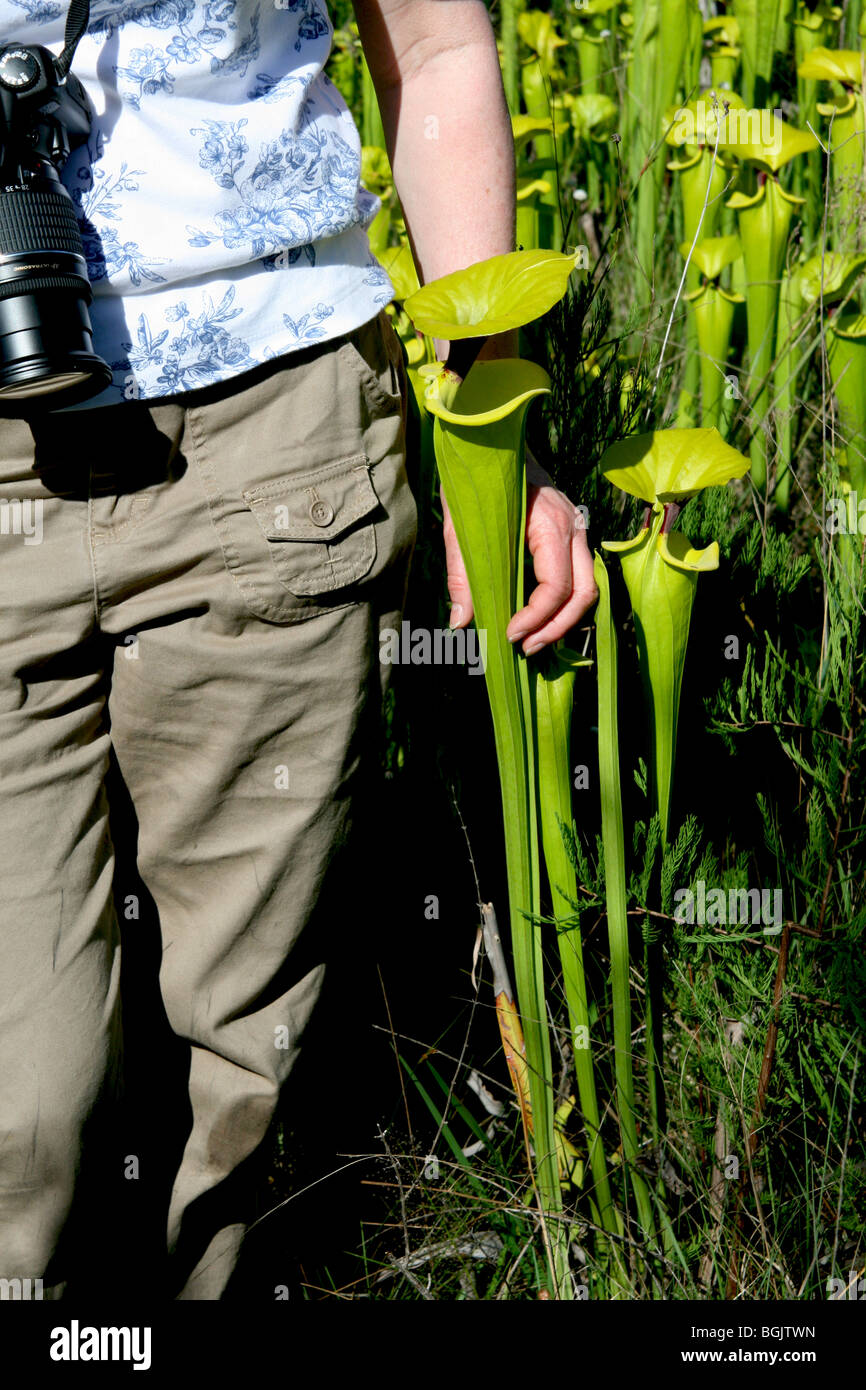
<point x="77" y="21"/>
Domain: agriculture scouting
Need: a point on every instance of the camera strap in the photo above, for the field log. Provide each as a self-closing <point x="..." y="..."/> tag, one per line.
<point x="77" y="20"/>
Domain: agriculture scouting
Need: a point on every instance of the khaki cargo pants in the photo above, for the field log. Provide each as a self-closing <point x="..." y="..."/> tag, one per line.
<point x="198" y="586"/>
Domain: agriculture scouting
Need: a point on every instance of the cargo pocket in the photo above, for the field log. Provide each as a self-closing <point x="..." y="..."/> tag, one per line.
<point x="319" y="525"/>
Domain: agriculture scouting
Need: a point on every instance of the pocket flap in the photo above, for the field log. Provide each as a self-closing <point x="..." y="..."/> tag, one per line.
<point x="316" y="506"/>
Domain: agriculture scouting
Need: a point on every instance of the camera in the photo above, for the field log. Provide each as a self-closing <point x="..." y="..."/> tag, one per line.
<point x="46" y="349"/>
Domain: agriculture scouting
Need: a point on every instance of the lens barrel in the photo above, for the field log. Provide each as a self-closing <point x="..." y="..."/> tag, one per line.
<point x="46" y="346"/>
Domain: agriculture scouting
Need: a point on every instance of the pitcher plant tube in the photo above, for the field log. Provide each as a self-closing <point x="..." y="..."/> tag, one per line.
<point x="478" y="433"/>
<point x="846" y="135"/>
<point x="613" y="845"/>
<point x="661" y="567"/>
<point x="712" y="308"/>
<point x="764" y="220"/>
<point x="825" y="279"/>
<point x="554" y="699"/>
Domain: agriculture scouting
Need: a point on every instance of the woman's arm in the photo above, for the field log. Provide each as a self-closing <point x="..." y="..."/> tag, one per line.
<point x="448" y="132"/>
<point x="436" y="72"/>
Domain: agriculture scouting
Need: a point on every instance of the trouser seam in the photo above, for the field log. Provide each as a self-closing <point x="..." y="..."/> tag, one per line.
<point x="97" y="604"/>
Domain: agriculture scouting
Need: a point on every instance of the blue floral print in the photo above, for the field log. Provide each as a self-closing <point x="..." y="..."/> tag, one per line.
<point x="148" y="71"/>
<point x="277" y="88"/>
<point x="223" y="149"/>
<point x="300" y="185"/>
<point x="306" y="329"/>
<point x="99" y="198"/>
<point x="311" y="25"/>
<point x="195" y="356"/>
<point x="219" y="194"/>
<point x="146" y="74"/>
<point x="378" y="277"/>
<point x="39" y="11"/>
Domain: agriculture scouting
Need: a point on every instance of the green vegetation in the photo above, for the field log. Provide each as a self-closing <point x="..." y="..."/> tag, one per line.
<point x="685" y="1120"/>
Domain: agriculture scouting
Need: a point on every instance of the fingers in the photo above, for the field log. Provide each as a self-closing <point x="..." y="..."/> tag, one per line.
<point x="583" y="595"/>
<point x="462" y="611"/>
<point x="566" y="589"/>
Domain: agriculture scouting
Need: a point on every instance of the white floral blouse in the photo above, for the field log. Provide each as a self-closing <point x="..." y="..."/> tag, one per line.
<point x="219" y="193"/>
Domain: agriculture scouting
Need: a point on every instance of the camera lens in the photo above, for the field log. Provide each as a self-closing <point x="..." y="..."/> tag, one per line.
<point x="42" y="385"/>
<point x="46" y="346"/>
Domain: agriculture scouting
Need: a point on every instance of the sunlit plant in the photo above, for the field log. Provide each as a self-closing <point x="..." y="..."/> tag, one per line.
<point x="759" y="24"/>
<point x="846" y="134"/>
<point x="697" y="129"/>
<point x="377" y="177"/>
<point x="592" y="35"/>
<point x="713" y="311"/>
<point x="479" y="420"/>
<point x="539" y="78"/>
<point x="661" y="570"/>
<point x="764" y="220"/>
<point x="661" y="567"/>
<point x="825" y="279"/>
<point x="535" y="177"/>
<point x="725" y="53"/>
<point x="666" y="48"/>
<point x="554" y="698"/>
<point x="814" y="26"/>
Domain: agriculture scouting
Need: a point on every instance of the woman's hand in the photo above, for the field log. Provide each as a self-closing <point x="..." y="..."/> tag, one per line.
<point x="556" y="538"/>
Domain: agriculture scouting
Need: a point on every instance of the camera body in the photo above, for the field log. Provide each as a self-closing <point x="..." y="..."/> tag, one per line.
<point x="46" y="349"/>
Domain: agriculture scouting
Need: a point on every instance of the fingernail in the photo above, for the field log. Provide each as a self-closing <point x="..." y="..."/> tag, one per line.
<point x="532" y="648"/>
<point x="456" y="617"/>
<point x="518" y="636"/>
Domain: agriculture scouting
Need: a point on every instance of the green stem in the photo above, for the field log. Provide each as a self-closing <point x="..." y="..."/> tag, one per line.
<point x="615" y="890"/>
<point x="510" y="59"/>
<point x="372" y="131"/>
<point x="554" y="694"/>
<point x="487" y="501"/>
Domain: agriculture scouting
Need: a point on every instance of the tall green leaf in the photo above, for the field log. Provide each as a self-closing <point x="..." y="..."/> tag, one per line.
<point x="482" y="473"/>
<point x="615" y="889"/>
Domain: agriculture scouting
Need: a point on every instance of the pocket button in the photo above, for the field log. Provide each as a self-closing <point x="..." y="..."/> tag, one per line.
<point x="321" y="513"/>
